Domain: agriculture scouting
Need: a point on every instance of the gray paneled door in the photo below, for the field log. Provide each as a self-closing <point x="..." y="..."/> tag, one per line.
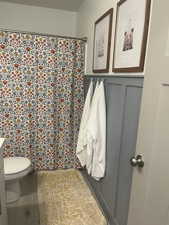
<point x="123" y="98"/>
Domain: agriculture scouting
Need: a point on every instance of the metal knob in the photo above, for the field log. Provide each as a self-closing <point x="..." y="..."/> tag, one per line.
<point x="137" y="161"/>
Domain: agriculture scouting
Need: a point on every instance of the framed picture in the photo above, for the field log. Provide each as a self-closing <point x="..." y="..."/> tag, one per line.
<point x="132" y="24"/>
<point x="102" y="42"/>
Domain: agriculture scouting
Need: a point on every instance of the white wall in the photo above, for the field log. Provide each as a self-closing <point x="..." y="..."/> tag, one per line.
<point x="37" y="19"/>
<point x="88" y="13"/>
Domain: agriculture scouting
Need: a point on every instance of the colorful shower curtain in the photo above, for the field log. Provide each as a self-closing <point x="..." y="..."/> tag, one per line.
<point x="41" y="98"/>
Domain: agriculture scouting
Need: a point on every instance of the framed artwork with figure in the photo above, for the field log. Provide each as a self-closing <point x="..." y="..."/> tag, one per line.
<point x="132" y="23"/>
<point x="102" y="42"/>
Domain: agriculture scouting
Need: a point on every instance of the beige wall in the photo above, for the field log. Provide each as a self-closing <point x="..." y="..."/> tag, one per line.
<point x="88" y="13"/>
<point x="37" y="19"/>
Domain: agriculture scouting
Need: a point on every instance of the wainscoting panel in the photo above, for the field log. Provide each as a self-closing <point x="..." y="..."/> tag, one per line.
<point x="123" y="100"/>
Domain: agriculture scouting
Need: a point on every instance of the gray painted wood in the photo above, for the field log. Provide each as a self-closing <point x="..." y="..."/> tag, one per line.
<point x="123" y="98"/>
<point x="3" y="211"/>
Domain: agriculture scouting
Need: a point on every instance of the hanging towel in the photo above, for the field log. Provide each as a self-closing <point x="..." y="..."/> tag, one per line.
<point x="88" y="141"/>
<point x="96" y="134"/>
<point x="81" y="144"/>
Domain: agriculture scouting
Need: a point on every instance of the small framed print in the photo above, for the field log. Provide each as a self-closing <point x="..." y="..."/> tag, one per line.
<point x="102" y="42"/>
<point x="132" y="24"/>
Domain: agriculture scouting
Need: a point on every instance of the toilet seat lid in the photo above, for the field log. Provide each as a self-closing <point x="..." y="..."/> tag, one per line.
<point x="16" y="164"/>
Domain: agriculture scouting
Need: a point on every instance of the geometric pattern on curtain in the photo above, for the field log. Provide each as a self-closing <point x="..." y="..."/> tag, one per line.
<point x="41" y="98"/>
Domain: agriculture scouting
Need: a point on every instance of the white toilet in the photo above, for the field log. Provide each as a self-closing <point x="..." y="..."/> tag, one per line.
<point x="15" y="168"/>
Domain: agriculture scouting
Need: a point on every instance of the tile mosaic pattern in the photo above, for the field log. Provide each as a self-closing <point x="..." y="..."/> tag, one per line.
<point x="65" y="199"/>
<point x="41" y="98"/>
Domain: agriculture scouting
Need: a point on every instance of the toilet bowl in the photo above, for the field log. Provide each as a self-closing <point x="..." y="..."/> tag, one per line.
<point x="15" y="168"/>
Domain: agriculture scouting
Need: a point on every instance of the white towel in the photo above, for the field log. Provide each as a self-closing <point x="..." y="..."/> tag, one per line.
<point x="81" y="144"/>
<point x="89" y="146"/>
<point x="96" y="135"/>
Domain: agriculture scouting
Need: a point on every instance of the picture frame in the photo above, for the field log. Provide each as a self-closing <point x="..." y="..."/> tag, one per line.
<point x="132" y="24"/>
<point x="102" y="42"/>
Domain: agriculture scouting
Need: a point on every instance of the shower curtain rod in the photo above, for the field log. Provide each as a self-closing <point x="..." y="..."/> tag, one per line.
<point x="43" y="34"/>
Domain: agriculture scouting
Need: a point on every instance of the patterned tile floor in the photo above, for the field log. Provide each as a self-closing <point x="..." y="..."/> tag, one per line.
<point x="65" y="199"/>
